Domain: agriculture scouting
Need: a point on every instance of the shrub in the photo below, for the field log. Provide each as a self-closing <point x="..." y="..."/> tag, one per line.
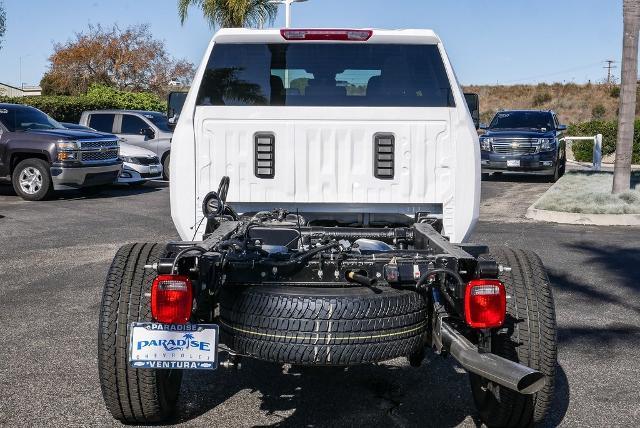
<point x="583" y="150"/>
<point x="598" y="112"/>
<point x="69" y="108"/>
<point x="542" y="98"/>
<point x="124" y="99"/>
<point x="615" y="92"/>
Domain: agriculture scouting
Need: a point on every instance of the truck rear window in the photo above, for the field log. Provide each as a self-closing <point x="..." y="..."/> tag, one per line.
<point x="325" y="74"/>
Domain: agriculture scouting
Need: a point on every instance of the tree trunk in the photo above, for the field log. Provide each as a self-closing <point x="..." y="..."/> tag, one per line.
<point x="626" y="118"/>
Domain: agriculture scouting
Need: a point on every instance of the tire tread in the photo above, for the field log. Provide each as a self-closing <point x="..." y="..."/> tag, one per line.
<point x="131" y="395"/>
<point x="531" y="340"/>
<point x="303" y="328"/>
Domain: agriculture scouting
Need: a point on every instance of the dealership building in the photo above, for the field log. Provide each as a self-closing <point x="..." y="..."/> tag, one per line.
<point x="24" y="91"/>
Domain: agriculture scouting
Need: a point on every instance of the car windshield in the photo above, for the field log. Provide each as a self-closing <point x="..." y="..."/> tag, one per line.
<point x="326" y="74"/>
<point x="523" y="120"/>
<point x="158" y="119"/>
<point x="26" y="118"/>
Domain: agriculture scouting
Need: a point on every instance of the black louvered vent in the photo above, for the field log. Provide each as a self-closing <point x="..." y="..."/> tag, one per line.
<point x="265" y="161"/>
<point x="383" y="156"/>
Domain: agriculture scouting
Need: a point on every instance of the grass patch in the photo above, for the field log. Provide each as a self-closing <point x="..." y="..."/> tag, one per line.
<point x="590" y="193"/>
<point x="573" y="103"/>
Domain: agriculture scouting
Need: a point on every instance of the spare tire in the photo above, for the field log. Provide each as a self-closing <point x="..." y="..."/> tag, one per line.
<point x="322" y="326"/>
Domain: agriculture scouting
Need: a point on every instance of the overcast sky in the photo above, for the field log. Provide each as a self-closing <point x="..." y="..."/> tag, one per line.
<point x="489" y="41"/>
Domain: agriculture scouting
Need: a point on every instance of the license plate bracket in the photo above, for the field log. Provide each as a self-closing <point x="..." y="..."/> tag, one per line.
<point x="173" y="346"/>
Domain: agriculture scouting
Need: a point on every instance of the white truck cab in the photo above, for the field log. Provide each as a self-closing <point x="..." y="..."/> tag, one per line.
<point x="358" y="126"/>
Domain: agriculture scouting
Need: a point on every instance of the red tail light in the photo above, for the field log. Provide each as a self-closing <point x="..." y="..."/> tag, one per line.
<point x="485" y="303"/>
<point x="344" y="35"/>
<point x="171" y="299"/>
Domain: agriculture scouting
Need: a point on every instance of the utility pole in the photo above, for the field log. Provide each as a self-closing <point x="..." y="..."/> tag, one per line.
<point x="20" y="67"/>
<point x="609" y="67"/>
<point x="287" y="4"/>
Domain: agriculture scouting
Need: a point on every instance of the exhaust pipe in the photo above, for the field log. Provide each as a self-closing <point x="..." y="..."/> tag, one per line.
<point x="512" y="375"/>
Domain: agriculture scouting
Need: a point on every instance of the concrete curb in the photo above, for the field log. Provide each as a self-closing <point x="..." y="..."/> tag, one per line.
<point x="582" y="218"/>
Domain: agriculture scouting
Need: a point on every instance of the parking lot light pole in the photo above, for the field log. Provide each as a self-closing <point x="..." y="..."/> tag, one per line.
<point x="287" y="4"/>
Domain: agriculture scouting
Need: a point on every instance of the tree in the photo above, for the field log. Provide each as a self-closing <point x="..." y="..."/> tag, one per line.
<point x="626" y="117"/>
<point x="3" y="22"/>
<point x="231" y="13"/>
<point x="129" y="59"/>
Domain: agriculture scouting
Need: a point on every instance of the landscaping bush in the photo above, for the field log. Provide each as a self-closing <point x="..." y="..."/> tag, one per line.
<point x="69" y="108"/>
<point x="583" y="150"/>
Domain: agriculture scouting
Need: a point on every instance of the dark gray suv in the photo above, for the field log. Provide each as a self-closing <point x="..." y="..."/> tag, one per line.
<point x="39" y="155"/>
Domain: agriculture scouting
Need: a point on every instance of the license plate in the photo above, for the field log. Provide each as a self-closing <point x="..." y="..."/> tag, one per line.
<point x="154" y="169"/>
<point x="173" y="346"/>
<point x="513" y="162"/>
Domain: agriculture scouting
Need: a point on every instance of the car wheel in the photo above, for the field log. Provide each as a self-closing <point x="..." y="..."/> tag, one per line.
<point x="563" y="167"/>
<point x="31" y="180"/>
<point x="133" y="396"/>
<point x="528" y="337"/>
<point x="165" y="167"/>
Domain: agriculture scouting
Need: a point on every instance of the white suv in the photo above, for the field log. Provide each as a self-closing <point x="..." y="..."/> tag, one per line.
<point x="356" y="124"/>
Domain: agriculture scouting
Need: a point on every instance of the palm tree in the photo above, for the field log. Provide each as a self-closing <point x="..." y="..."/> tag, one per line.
<point x="231" y="13"/>
<point x="624" y="145"/>
<point x="3" y="21"/>
<point x="188" y="337"/>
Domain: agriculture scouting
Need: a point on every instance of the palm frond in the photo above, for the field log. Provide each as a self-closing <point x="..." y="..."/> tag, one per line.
<point x="231" y="13"/>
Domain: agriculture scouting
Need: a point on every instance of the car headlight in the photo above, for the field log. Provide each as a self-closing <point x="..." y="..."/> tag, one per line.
<point x="486" y="144"/>
<point x="66" y="150"/>
<point x="67" y="145"/>
<point x="128" y="159"/>
<point x="546" y="144"/>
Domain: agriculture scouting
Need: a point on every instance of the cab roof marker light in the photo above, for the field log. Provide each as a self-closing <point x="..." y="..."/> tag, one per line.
<point x="329" y="34"/>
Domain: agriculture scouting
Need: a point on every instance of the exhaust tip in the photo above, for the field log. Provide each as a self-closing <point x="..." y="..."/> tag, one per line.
<point x="531" y="383"/>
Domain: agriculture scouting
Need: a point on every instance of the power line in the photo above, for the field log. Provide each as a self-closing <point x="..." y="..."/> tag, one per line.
<point x="568" y="70"/>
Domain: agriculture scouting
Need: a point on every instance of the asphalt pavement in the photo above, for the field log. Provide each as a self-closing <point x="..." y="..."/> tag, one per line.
<point x="54" y="256"/>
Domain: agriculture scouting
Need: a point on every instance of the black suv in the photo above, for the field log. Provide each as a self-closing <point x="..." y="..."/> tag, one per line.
<point x="524" y="141"/>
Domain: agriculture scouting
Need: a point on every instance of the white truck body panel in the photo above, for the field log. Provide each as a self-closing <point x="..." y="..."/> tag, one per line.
<point x="324" y="158"/>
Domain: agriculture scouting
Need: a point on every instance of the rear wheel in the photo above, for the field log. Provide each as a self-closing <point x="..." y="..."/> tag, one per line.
<point x="31" y="180"/>
<point x="528" y="337"/>
<point x="133" y="396"/>
<point x="322" y="326"/>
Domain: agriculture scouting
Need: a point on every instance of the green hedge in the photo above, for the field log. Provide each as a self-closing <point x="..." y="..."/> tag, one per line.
<point x="583" y="150"/>
<point x="69" y="108"/>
